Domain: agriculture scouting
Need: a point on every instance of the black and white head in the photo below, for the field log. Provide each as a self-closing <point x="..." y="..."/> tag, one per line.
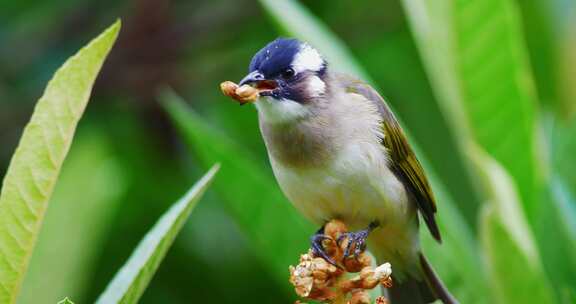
<point x="293" y="74"/>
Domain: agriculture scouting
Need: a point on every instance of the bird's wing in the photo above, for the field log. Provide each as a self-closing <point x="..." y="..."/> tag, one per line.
<point x="404" y="163"/>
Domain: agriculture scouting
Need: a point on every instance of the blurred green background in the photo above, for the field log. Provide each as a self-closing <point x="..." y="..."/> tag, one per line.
<point x="129" y="162"/>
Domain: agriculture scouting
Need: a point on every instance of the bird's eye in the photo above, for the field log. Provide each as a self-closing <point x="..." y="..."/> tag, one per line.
<point x="288" y="73"/>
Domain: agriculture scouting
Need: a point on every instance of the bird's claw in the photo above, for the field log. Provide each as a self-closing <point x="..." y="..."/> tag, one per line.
<point x="318" y="247"/>
<point x="356" y="240"/>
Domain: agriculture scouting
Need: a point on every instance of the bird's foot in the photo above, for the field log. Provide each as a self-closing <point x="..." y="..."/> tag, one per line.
<point x="356" y="241"/>
<point x="317" y="245"/>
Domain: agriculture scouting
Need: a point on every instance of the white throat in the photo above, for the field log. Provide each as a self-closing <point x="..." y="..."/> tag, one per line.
<point x="280" y="111"/>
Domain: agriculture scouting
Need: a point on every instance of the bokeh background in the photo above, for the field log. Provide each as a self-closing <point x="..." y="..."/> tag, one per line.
<point x="129" y="162"/>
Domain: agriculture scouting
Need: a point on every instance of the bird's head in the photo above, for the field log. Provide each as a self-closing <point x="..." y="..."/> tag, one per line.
<point x="291" y="76"/>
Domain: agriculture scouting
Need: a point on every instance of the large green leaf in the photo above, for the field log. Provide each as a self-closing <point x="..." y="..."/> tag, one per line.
<point x="65" y="301"/>
<point x="513" y="277"/>
<point x="515" y="270"/>
<point x="82" y="210"/>
<point x="567" y="64"/>
<point x="133" y="278"/>
<point x="474" y="53"/>
<point x="251" y="195"/>
<point x="458" y="244"/>
<point x="558" y="217"/>
<point x="256" y="202"/>
<point x="35" y="166"/>
<point x="538" y="22"/>
<point x="562" y="143"/>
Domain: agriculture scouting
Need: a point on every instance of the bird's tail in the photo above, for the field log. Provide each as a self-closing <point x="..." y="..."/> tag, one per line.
<point x="421" y="291"/>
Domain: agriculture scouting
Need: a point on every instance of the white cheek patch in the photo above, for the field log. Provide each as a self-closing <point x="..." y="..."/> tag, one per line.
<point x="281" y="111"/>
<point x="307" y="59"/>
<point x="316" y="86"/>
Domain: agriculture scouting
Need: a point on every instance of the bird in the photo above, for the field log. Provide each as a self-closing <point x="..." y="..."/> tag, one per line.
<point x="338" y="152"/>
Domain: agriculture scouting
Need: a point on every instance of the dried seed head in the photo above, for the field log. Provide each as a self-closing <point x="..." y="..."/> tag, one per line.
<point x="360" y="297"/>
<point x="316" y="279"/>
<point x="312" y="273"/>
<point x="335" y="228"/>
<point x="301" y="276"/>
<point x="388" y="283"/>
<point x="370" y="278"/>
<point x="358" y="263"/>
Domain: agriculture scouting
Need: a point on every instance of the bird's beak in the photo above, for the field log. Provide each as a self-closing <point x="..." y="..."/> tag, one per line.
<point x="257" y="80"/>
<point x="252" y="78"/>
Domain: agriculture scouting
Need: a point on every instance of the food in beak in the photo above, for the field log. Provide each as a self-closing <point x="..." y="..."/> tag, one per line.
<point x="243" y="94"/>
<point x="246" y="93"/>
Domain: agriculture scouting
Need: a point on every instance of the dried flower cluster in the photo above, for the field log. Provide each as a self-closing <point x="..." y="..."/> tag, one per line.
<point x="242" y="94"/>
<point x="316" y="279"/>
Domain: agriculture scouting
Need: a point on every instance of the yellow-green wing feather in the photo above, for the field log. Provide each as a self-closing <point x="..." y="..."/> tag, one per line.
<point x="404" y="162"/>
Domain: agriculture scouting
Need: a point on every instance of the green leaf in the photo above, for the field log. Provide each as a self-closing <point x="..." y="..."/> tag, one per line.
<point x="133" y="278"/>
<point x="512" y="276"/>
<point x="82" y="208"/>
<point x="567" y="57"/>
<point x="562" y="143"/>
<point x="250" y="193"/>
<point x="66" y="301"/>
<point x="466" y="46"/>
<point x="297" y="21"/>
<point x="558" y="217"/>
<point x="255" y="200"/>
<point x="538" y="21"/>
<point x="514" y="267"/>
<point x="35" y="166"/>
<point x="458" y="244"/>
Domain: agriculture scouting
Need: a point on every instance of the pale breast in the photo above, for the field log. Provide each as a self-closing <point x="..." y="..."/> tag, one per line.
<point x="306" y="144"/>
<point x="336" y="167"/>
<point x="332" y="165"/>
<point x="356" y="187"/>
